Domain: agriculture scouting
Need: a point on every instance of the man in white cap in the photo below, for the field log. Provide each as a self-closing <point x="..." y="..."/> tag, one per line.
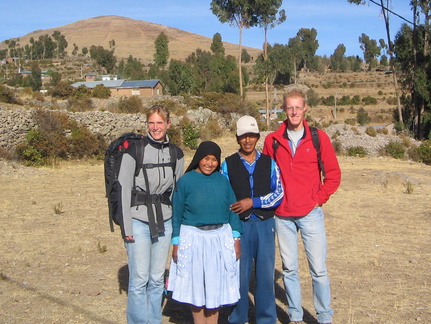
<point x="255" y="179"/>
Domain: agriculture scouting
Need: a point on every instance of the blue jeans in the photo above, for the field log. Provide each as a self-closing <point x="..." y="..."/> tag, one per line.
<point x="147" y="263"/>
<point x="258" y="245"/>
<point x="312" y="228"/>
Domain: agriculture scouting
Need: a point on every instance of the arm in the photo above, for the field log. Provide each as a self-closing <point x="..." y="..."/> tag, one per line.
<point x="125" y="177"/>
<point x="332" y="169"/>
<point x="274" y="198"/>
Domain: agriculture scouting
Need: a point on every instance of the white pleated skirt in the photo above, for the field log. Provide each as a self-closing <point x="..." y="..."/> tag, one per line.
<point x="207" y="272"/>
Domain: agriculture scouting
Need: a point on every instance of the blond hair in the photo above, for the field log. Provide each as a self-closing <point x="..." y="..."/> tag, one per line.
<point x="295" y="92"/>
<point x="160" y="110"/>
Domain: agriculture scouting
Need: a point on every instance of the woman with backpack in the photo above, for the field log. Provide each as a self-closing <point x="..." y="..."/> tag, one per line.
<point x="146" y="190"/>
<point x="204" y="270"/>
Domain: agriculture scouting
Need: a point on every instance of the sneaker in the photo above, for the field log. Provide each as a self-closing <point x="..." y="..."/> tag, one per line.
<point x="295" y="322"/>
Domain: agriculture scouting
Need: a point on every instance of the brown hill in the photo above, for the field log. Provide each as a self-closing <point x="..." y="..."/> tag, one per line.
<point x="132" y="37"/>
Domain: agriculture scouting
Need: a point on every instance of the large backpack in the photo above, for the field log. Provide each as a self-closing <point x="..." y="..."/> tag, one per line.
<point x="134" y="144"/>
<point x="316" y="144"/>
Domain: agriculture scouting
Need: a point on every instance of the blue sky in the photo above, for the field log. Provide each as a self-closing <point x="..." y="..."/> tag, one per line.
<point x="336" y="21"/>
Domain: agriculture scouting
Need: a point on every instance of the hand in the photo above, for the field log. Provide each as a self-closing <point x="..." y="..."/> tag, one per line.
<point x="129" y="238"/>
<point x="242" y="205"/>
<point x="175" y="253"/>
<point x="237" y="246"/>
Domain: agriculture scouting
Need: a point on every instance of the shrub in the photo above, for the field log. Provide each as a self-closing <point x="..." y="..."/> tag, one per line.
<point x="338" y="147"/>
<point x="357" y="151"/>
<point x="174" y="134"/>
<point x="8" y="96"/>
<point x="55" y="136"/>
<point x="356" y="100"/>
<point x="130" y="105"/>
<point x="383" y="131"/>
<point x="371" y="131"/>
<point x="101" y="92"/>
<point x="413" y="153"/>
<point x="83" y="104"/>
<point x="425" y="152"/>
<point x="362" y="117"/>
<point x="350" y="121"/>
<point x="62" y="90"/>
<point x="82" y="143"/>
<point x="190" y="135"/>
<point x="368" y="100"/>
<point x="81" y="92"/>
<point x="211" y="130"/>
<point x="395" y="149"/>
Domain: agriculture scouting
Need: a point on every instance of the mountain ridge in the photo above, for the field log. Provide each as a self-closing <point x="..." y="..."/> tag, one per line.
<point x="132" y="37"/>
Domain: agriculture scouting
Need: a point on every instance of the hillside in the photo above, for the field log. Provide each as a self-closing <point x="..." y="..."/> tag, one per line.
<point x="132" y="37"/>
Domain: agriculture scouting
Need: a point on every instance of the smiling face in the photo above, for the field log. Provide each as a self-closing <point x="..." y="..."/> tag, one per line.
<point x="247" y="143"/>
<point x="158" y="126"/>
<point x="207" y="165"/>
<point x="295" y="109"/>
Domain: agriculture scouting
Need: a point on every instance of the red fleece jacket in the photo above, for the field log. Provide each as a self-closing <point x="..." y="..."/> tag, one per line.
<point x="300" y="173"/>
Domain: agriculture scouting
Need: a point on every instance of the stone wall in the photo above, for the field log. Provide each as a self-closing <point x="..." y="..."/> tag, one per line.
<point x="16" y="121"/>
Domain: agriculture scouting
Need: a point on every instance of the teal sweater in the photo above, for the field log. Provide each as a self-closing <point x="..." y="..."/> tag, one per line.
<point x="201" y="199"/>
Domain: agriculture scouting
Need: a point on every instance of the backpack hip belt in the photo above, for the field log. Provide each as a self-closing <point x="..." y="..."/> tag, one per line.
<point x="156" y="222"/>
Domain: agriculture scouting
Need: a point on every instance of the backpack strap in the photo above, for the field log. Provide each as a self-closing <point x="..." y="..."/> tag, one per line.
<point x="316" y="143"/>
<point x="275" y="145"/>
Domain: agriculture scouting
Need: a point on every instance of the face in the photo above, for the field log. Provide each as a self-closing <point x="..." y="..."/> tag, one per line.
<point x="295" y="110"/>
<point x="207" y="165"/>
<point x="158" y="127"/>
<point x="248" y="142"/>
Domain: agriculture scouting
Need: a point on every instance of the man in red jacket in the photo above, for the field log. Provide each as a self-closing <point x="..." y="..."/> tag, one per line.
<point x="300" y="210"/>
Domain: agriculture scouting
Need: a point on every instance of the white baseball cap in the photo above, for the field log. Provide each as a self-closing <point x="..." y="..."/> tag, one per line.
<point x="245" y="125"/>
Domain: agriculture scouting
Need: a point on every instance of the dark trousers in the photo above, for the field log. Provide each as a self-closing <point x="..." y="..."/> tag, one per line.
<point x="258" y="247"/>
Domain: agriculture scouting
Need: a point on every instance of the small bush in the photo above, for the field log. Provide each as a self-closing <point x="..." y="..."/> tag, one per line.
<point x="425" y="152"/>
<point x="101" y="92"/>
<point x="174" y="134"/>
<point x="82" y="104"/>
<point x="383" y="131"/>
<point x="8" y="96"/>
<point x="58" y="137"/>
<point x="395" y="149"/>
<point x="362" y="117"/>
<point x="357" y="151"/>
<point x="62" y="90"/>
<point x="413" y="153"/>
<point x="371" y="131"/>
<point x="338" y="147"/>
<point x="350" y="121"/>
<point x="211" y="130"/>
<point x="191" y="134"/>
<point x="130" y="105"/>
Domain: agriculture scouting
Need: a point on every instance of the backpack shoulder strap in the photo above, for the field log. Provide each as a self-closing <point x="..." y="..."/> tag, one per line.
<point x="275" y="145"/>
<point x="316" y="142"/>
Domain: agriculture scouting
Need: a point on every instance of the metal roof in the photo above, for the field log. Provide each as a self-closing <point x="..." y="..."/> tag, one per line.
<point x="93" y="84"/>
<point x="140" y="84"/>
<point x="120" y="84"/>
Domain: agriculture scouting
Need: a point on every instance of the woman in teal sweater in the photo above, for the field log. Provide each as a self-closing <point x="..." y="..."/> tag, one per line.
<point x="204" y="268"/>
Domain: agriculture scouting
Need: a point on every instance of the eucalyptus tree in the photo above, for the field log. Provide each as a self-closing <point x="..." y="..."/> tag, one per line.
<point x="385" y="12"/>
<point x="371" y="50"/>
<point x="338" y="59"/>
<point x="240" y="14"/>
<point x="269" y="16"/>
<point x="217" y="45"/>
<point x="309" y="44"/>
<point x="161" y="54"/>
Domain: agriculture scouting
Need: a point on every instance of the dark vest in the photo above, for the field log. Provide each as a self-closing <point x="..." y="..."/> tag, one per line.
<point x="239" y="180"/>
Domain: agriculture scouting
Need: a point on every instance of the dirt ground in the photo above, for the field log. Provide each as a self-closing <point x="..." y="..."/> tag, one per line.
<point x="61" y="264"/>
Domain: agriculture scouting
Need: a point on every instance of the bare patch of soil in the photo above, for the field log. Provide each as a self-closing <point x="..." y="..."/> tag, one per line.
<point x="61" y="264"/>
